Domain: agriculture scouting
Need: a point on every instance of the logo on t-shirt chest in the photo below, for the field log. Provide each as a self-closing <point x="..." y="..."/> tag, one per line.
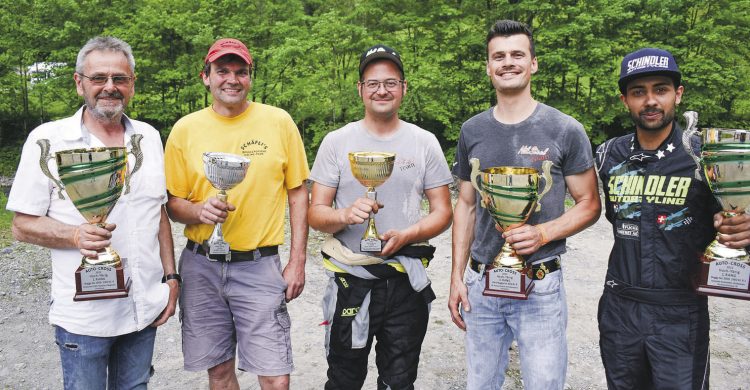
<point x="254" y="147"/>
<point x="404" y="164"/>
<point x="535" y="152"/>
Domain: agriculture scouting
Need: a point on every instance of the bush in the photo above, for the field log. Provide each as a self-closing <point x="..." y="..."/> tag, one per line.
<point x="6" y="237"/>
<point x="9" y="157"/>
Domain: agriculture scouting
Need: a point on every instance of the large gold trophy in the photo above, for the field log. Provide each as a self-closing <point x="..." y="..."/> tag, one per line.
<point x="723" y="271"/>
<point x="224" y="171"/>
<point x="93" y="179"/>
<point x="371" y="169"/>
<point x="510" y="195"/>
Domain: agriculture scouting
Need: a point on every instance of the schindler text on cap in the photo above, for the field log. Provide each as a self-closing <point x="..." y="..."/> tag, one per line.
<point x="648" y="62"/>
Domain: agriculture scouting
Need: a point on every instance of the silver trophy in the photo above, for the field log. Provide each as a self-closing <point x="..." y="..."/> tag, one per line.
<point x="224" y="171"/>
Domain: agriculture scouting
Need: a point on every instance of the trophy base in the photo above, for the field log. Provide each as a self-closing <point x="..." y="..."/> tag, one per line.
<point x="506" y="282"/>
<point x="724" y="278"/>
<point x="371" y="245"/>
<point x="101" y="282"/>
<point x="218" y="248"/>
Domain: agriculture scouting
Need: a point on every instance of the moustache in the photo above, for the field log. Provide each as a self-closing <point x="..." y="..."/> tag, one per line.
<point x="116" y="95"/>
<point x="651" y="111"/>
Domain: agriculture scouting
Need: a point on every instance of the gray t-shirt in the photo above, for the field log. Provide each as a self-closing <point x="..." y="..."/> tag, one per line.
<point x="420" y="165"/>
<point x="547" y="134"/>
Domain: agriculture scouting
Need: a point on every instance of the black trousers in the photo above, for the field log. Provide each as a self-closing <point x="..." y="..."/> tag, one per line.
<point x="398" y="320"/>
<point x="647" y="346"/>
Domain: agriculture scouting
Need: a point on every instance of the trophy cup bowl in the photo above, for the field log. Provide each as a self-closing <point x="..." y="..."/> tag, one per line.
<point x="371" y="169"/>
<point x="94" y="179"/>
<point x="224" y="171"/>
<point x="510" y="195"/>
<point x="724" y="271"/>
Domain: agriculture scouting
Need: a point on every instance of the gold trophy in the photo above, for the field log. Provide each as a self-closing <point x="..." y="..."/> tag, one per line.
<point x="371" y="169"/>
<point x="724" y="271"/>
<point x="224" y="171"/>
<point x="93" y="179"/>
<point x="510" y="195"/>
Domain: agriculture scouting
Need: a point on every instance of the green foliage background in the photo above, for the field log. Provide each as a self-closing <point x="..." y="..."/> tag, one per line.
<point x="6" y="217"/>
<point x="307" y="52"/>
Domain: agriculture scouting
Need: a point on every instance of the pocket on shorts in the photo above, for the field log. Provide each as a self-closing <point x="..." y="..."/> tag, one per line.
<point x="275" y="271"/>
<point x="285" y="324"/>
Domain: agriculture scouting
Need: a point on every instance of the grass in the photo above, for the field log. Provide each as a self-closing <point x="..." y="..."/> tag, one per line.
<point x="5" y="219"/>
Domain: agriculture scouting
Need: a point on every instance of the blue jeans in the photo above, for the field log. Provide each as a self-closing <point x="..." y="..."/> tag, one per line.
<point x="114" y="363"/>
<point x="538" y="324"/>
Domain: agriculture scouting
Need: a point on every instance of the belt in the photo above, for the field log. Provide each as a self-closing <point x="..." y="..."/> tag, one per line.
<point x="653" y="296"/>
<point x="537" y="271"/>
<point x="234" y="255"/>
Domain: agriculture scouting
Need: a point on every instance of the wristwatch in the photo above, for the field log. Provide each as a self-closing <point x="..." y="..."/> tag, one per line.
<point x="172" y="276"/>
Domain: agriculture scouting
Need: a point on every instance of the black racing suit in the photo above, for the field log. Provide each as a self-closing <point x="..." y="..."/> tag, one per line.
<point x="398" y="318"/>
<point x="653" y="327"/>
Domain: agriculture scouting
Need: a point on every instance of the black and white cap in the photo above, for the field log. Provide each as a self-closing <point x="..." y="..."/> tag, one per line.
<point x="379" y="52"/>
<point x="647" y="62"/>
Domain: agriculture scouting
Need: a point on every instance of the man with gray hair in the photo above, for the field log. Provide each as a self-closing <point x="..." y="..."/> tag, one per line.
<point x="104" y="343"/>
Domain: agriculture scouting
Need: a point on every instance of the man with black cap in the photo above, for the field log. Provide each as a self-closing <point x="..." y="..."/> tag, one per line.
<point x="238" y="301"/>
<point x="653" y="327"/>
<point x="385" y="293"/>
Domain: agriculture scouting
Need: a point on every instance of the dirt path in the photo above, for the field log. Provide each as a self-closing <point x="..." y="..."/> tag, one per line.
<point x="29" y="359"/>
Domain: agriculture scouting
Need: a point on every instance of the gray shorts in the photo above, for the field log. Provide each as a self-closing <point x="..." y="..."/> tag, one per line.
<point x="228" y="305"/>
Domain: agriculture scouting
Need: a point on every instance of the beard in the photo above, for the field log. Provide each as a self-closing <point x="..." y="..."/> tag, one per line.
<point x="106" y="112"/>
<point x="666" y="120"/>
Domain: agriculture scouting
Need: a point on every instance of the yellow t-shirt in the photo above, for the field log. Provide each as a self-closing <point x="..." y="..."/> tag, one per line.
<point x="264" y="134"/>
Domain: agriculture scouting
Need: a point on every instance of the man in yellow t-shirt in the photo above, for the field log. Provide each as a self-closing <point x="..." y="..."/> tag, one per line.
<point x="238" y="301"/>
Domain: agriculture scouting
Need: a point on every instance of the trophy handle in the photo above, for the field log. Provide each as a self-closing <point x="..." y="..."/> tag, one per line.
<point x="44" y="165"/>
<point x="692" y="128"/>
<point x="474" y="176"/>
<point x="547" y="176"/>
<point x="135" y="142"/>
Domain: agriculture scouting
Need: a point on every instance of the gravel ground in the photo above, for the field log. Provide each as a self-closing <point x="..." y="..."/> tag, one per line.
<point x="29" y="358"/>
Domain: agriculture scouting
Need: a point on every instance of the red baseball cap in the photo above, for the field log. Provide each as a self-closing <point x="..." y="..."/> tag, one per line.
<point x="226" y="46"/>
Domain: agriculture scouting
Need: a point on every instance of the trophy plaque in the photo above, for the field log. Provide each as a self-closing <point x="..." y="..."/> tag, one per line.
<point x="371" y="169"/>
<point x="93" y="179"/>
<point x="723" y="271"/>
<point x="224" y="171"/>
<point x="510" y="195"/>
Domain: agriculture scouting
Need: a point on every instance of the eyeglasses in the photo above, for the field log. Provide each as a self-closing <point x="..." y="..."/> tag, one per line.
<point x="390" y="85"/>
<point x="116" y="80"/>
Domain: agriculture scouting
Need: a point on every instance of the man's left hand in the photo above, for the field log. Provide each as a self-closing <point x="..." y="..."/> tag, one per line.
<point x="525" y="239"/>
<point x="174" y="293"/>
<point x="735" y="231"/>
<point x="294" y="275"/>
<point x="394" y="240"/>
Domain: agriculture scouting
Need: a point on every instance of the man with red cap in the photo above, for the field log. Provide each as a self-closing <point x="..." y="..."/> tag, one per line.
<point x="237" y="301"/>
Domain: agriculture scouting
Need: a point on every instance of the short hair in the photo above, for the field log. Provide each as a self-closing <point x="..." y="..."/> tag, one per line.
<point x="506" y="28"/>
<point x="225" y="58"/>
<point x="103" y="43"/>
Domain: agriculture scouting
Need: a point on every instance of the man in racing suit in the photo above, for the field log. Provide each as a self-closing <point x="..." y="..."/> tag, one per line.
<point x="653" y="327"/>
